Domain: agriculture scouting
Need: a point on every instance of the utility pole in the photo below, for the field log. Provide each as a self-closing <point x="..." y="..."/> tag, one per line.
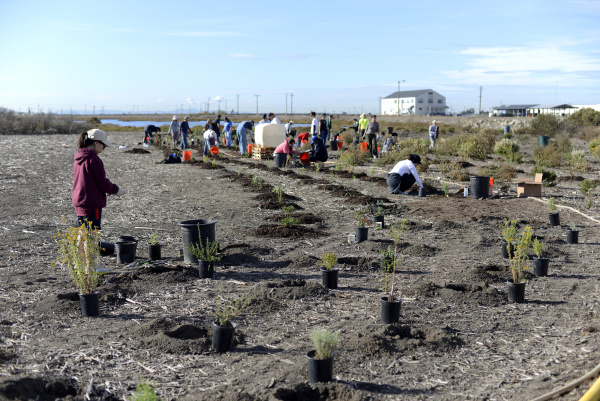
<point x="286" y="103"/>
<point x="291" y="103"/>
<point x="257" y="103"/>
<point x="94" y="112"/>
<point x="238" y="104"/>
<point x="480" y="89"/>
<point x="399" y="96"/>
<point x="208" y="105"/>
<point x="218" y="105"/>
<point x="379" y="105"/>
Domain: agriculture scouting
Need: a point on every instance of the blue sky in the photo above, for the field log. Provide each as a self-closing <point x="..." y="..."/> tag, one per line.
<point x="332" y="55"/>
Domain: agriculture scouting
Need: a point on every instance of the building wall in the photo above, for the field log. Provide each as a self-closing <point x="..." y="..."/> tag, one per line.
<point x="429" y="102"/>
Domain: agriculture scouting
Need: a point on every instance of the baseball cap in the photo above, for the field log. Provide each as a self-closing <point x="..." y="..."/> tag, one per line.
<point x="99" y="135"/>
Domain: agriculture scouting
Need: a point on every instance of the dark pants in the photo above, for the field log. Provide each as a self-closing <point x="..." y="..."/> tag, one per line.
<point x="324" y="136"/>
<point x="92" y="219"/>
<point x="399" y="183"/>
<point x="372" y="144"/>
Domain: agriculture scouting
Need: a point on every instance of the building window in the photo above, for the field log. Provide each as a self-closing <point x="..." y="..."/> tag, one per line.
<point x="429" y="100"/>
<point x="395" y="101"/>
<point x="420" y="101"/>
<point x="430" y="93"/>
<point x="439" y="101"/>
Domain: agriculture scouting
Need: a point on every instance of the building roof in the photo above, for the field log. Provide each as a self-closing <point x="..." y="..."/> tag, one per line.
<point x="408" y="93"/>
<point x="515" y="107"/>
<point x="553" y="106"/>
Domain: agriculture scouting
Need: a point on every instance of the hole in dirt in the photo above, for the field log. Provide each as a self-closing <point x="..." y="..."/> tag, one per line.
<point x="293" y="289"/>
<point x="70" y="296"/>
<point x="137" y="151"/>
<point x="303" y="218"/>
<point x="172" y="338"/>
<point x="274" y="205"/>
<point x="331" y="391"/>
<point x="295" y="231"/>
<point x="46" y="389"/>
<point x="187" y="332"/>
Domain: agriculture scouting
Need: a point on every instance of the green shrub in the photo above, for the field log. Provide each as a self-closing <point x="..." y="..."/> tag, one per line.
<point x="545" y="124"/>
<point x="353" y="156"/>
<point x="500" y="172"/>
<point x="547" y="156"/>
<point x="585" y="117"/>
<point x="576" y="162"/>
<point x="548" y="176"/>
<point x="509" y="149"/>
<point x="594" y="147"/>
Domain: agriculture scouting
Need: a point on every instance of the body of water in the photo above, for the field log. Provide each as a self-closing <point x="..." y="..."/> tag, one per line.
<point x="162" y="123"/>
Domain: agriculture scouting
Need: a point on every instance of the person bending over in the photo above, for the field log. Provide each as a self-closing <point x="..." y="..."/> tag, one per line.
<point x="403" y="175"/>
<point x="318" y="152"/>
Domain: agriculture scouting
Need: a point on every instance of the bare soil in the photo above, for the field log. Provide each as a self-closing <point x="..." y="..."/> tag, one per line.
<point x="458" y="338"/>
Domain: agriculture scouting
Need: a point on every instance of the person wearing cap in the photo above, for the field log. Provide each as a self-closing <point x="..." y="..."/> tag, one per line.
<point x="184" y="128"/>
<point x="389" y="142"/>
<point x="371" y="134"/>
<point x="210" y="140"/>
<point x="243" y="130"/>
<point x="434" y="132"/>
<point x="264" y="120"/>
<point x="362" y="124"/>
<point x="90" y="184"/>
<point x="227" y="131"/>
<point x="403" y="175"/>
<point x="318" y="152"/>
<point x="274" y="119"/>
<point x="174" y="131"/>
<point x="288" y="127"/>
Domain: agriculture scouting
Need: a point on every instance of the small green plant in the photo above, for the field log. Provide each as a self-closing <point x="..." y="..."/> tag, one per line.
<point x="573" y="227"/>
<point x="144" y="392"/>
<point x="445" y="188"/>
<point x="231" y="308"/>
<point x="279" y="192"/>
<point x="288" y="220"/>
<point x="509" y="230"/>
<point x="254" y="179"/>
<point x="392" y="259"/>
<point x="331" y="178"/>
<point x="79" y="251"/>
<point x="260" y="183"/>
<point x="538" y="247"/>
<point x="240" y="170"/>
<point x="302" y="170"/>
<point x="361" y="218"/>
<point x="372" y="171"/>
<point x="208" y="252"/>
<point x="587" y="188"/>
<point x="551" y="205"/>
<point x="324" y="342"/>
<point x="520" y="256"/>
<point x="328" y="260"/>
<point x="318" y="167"/>
<point x="338" y="167"/>
<point x="205" y="159"/>
<point x="214" y="162"/>
<point x="379" y="208"/>
<point x="153" y="239"/>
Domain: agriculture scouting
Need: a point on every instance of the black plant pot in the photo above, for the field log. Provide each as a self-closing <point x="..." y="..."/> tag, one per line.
<point x="422" y="192"/>
<point x="362" y="234"/>
<point x="540" y="266"/>
<point x="154" y="252"/>
<point x="194" y="231"/>
<point x="572" y="236"/>
<point x="516" y="292"/>
<point x="280" y="159"/>
<point x="90" y="303"/>
<point x="129" y="238"/>
<point x="379" y="219"/>
<point x="333" y="145"/>
<point x="125" y="252"/>
<point x="554" y="219"/>
<point x="319" y="370"/>
<point x="329" y="278"/>
<point x="222" y="340"/>
<point x="506" y="253"/>
<point x="107" y="248"/>
<point x="390" y="310"/>
<point x="206" y="269"/>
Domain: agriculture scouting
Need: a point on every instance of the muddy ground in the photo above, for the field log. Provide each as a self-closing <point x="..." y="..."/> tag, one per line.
<point x="458" y="338"/>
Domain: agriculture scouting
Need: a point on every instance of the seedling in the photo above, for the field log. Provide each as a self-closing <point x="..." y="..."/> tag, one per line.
<point x="328" y="260"/>
<point x="446" y="188"/>
<point x="324" y="342"/>
<point x="288" y="220"/>
<point x="520" y="257"/>
<point x="573" y="227"/>
<point x="318" y="167"/>
<point x="361" y="218"/>
<point x="205" y="159"/>
<point x="551" y="205"/>
<point x="379" y="208"/>
<point x="153" y="239"/>
<point x="232" y="308"/>
<point x="144" y="392"/>
<point x="538" y="247"/>
<point x="279" y="192"/>
<point x="208" y="252"/>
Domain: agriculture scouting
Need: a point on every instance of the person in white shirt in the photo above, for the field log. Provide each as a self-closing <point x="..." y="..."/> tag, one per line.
<point x="274" y="119"/>
<point x="314" y="125"/>
<point x="403" y="175"/>
<point x="210" y="140"/>
<point x="288" y="127"/>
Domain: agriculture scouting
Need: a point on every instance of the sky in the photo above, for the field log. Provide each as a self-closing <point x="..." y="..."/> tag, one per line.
<point x="333" y="56"/>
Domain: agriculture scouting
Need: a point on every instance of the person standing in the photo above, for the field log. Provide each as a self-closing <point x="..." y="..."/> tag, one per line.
<point x="434" y="132"/>
<point x="90" y="184"/>
<point x="184" y="128"/>
<point x="288" y="128"/>
<point x="329" y="126"/>
<point x="323" y="128"/>
<point x="174" y="131"/>
<point x="314" y="124"/>
<point x="362" y="124"/>
<point x="227" y="131"/>
<point x="274" y="119"/>
<point x="148" y="131"/>
<point x="217" y="127"/>
<point x="371" y="132"/>
<point x="243" y="130"/>
<point x="403" y="175"/>
<point x="355" y="128"/>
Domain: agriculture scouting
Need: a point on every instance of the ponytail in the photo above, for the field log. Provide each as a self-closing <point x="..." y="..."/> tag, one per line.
<point x="83" y="141"/>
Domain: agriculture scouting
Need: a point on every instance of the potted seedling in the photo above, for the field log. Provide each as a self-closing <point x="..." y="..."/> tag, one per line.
<point x="516" y="286"/>
<point x="362" y="231"/>
<point x="540" y="264"/>
<point x="391" y="259"/>
<point x="207" y="254"/>
<point x="509" y="233"/>
<point x="572" y="234"/>
<point x="553" y="215"/>
<point x="79" y="251"/>
<point x="154" y="247"/>
<point x="320" y="360"/>
<point x="223" y="327"/>
<point x="378" y="216"/>
<point x="329" y="273"/>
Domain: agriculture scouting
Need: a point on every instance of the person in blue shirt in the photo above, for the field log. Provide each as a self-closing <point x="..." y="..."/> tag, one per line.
<point x="244" y="129"/>
<point x="318" y="152"/>
<point x="185" y="128"/>
<point x="227" y="131"/>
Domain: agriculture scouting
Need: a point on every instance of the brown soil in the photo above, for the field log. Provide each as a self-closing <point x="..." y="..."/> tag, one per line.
<point x="459" y="338"/>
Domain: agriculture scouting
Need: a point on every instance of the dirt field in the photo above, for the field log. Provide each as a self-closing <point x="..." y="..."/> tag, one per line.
<point x="458" y="339"/>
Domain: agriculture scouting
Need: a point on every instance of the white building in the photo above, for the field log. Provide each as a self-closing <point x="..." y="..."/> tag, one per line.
<point x="419" y="102"/>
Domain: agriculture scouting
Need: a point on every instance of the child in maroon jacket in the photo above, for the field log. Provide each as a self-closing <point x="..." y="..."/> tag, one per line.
<point x="90" y="184"/>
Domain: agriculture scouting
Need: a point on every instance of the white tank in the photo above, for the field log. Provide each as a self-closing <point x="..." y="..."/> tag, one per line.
<point x="269" y="135"/>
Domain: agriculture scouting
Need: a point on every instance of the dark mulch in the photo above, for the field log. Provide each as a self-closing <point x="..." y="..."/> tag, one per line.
<point x="137" y="151"/>
<point x="296" y="231"/>
<point x="303" y="218"/>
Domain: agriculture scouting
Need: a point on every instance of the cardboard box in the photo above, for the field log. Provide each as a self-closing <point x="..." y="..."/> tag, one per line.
<point x="529" y="187"/>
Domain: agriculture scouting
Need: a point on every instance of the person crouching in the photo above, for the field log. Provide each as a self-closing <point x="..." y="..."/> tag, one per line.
<point x="403" y="175"/>
<point x="210" y="140"/>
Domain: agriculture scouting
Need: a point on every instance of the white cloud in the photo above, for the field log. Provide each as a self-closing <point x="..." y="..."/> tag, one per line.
<point x="189" y="100"/>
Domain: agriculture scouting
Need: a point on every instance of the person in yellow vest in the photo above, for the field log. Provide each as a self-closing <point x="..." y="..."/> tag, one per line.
<point x="362" y="126"/>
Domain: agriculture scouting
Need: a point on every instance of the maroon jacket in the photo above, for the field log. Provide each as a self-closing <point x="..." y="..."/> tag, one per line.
<point x="90" y="184"/>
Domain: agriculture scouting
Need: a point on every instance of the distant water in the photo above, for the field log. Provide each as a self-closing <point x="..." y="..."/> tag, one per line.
<point x="161" y="123"/>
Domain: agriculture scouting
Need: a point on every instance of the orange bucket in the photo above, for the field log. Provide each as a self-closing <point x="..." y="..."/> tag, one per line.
<point x="224" y="141"/>
<point x="377" y="148"/>
<point x="340" y="144"/>
<point x="304" y="141"/>
<point x="214" y="150"/>
<point x="187" y="155"/>
<point x="304" y="156"/>
<point x="250" y="148"/>
<point x="364" y="147"/>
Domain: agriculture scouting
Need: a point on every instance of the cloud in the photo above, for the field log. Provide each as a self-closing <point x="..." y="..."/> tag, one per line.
<point x="189" y="100"/>
<point x="204" y="34"/>
<point x="218" y="98"/>
<point x="524" y="66"/>
<point x="242" y="55"/>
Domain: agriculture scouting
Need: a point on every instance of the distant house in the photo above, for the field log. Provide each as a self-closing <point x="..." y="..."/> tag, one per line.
<point x="418" y="102"/>
<point x="521" y="110"/>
